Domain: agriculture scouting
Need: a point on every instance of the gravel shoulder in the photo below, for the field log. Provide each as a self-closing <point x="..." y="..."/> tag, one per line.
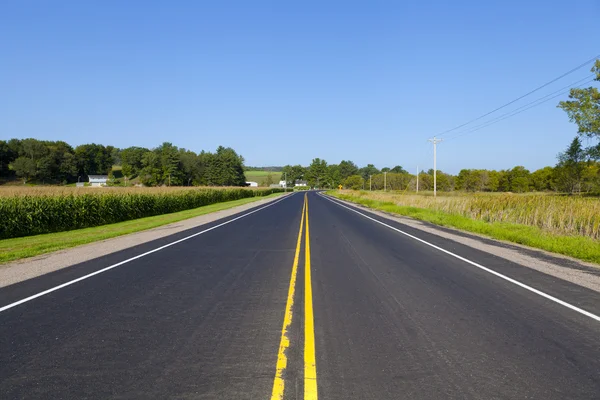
<point x="566" y="268"/>
<point x="18" y="271"/>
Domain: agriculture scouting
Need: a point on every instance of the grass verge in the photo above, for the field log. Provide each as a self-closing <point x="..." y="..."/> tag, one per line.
<point x="29" y="246"/>
<point x="580" y="247"/>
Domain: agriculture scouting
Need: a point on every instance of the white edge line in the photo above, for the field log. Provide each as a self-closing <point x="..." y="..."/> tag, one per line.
<point x="511" y="280"/>
<point x="55" y="288"/>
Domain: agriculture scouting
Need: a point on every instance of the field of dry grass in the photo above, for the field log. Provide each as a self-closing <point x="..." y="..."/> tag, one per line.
<point x="565" y="215"/>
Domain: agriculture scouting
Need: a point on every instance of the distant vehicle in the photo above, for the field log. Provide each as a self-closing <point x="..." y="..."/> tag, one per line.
<point x="252" y="184"/>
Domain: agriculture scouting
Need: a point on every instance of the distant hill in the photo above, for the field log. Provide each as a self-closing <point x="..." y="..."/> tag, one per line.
<point x="260" y="176"/>
<point x="272" y="169"/>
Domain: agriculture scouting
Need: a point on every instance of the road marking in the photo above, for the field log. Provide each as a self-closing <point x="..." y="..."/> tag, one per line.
<point x="279" y="382"/>
<point x="310" y="363"/>
<point x="45" y="292"/>
<point x="499" y="275"/>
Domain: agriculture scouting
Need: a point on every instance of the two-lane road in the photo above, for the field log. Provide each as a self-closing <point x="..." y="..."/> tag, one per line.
<point x="302" y="299"/>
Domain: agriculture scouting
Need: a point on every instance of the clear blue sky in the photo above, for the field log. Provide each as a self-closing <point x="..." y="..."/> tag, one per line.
<point x="284" y="82"/>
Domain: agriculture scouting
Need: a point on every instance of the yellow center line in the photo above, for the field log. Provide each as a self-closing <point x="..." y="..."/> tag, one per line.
<point x="310" y="363"/>
<point x="279" y="383"/>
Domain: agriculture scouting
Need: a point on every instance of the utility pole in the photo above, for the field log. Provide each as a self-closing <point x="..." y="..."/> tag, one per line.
<point x="285" y="175"/>
<point x="417" y="179"/>
<point x="385" y="181"/>
<point x="435" y="142"/>
<point x="370" y="182"/>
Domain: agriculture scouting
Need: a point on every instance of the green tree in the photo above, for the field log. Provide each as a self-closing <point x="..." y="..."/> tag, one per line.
<point x="131" y="160"/>
<point x="190" y="167"/>
<point x="584" y="110"/>
<point x="541" y="180"/>
<point x="7" y="156"/>
<point x="398" y="170"/>
<point x="24" y="167"/>
<point x="365" y="172"/>
<point x="519" y="179"/>
<point x="316" y="174"/>
<point x="467" y="180"/>
<point x="94" y="159"/>
<point x="347" y="168"/>
<point x="334" y="177"/>
<point x="232" y="164"/>
<point x="571" y="165"/>
<point x="151" y="173"/>
<point x="354" y="182"/>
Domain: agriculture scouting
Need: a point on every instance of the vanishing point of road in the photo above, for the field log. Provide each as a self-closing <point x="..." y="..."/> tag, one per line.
<point x="303" y="298"/>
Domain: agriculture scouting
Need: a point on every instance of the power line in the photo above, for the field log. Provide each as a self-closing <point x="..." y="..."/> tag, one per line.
<point x="525" y="95"/>
<point x="500" y="117"/>
<point x="516" y="111"/>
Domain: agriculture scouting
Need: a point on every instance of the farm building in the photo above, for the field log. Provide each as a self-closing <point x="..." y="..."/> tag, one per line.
<point x="98" y="180"/>
<point x="252" y="184"/>
<point x="301" y="183"/>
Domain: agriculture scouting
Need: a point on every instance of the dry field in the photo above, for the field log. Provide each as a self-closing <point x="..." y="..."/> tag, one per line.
<point x="566" y="215"/>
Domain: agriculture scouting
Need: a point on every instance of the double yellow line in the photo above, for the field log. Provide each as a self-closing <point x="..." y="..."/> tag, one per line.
<point x="310" y="367"/>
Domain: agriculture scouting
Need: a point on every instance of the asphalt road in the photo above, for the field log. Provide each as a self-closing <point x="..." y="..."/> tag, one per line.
<point x="234" y="313"/>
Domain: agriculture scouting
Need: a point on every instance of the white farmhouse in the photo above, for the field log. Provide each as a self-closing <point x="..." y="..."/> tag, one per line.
<point x="98" y="180"/>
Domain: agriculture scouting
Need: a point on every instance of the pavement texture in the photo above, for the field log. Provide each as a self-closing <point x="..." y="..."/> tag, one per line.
<point x="394" y="318"/>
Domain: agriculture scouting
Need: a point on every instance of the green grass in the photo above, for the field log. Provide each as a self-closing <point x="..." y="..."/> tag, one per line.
<point x="18" y="248"/>
<point x="580" y="247"/>
<point x="261" y="176"/>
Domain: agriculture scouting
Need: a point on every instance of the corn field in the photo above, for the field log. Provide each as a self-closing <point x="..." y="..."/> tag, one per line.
<point x="36" y="210"/>
<point x="565" y="215"/>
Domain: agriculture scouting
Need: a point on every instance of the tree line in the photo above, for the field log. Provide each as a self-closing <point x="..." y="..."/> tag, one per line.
<point x="56" y="162"/>
<point x="576" y="172"/>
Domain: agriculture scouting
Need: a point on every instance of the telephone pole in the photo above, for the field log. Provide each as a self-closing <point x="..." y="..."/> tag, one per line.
<point x="435" y="142"/>
<point x="370" y="183"/>
<point x="385" y="181"/>
<point x="417" y="179"/>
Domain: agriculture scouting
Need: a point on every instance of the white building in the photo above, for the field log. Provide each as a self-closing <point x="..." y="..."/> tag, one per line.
<point x="301" y="183"/>
<point x="252" y="184"/>
<point x="282" y="184"/>
<point x="98" y="180"/>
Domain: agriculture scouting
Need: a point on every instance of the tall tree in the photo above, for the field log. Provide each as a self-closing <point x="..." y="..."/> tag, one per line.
<point x="316" y="173"/>
<point x="347" y="168"/>
<point x="131" y="160"/>
<point x="398" y="170"/>
<point x="368" y="170"/>
<point x="94" y="159"/>
<point x="542" y="179"/>
<point x="24" y="167"/>
<point x="7" y="156"/>
<point x="571" y="165"/>
<point x="584" y="110"/>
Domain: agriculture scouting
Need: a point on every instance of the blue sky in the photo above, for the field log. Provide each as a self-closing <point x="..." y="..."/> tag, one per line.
<point x="283" y="82"/>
